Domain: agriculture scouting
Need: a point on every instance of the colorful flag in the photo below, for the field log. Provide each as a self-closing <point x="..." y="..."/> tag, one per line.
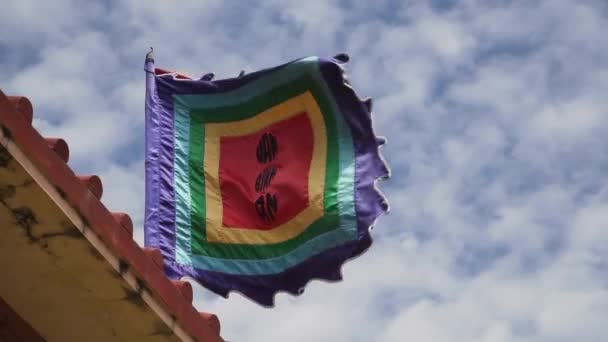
<point x="261" y="182"/>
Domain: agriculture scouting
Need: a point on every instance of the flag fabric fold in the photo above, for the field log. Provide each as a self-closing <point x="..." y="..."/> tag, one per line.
<point x="262" y="182"/>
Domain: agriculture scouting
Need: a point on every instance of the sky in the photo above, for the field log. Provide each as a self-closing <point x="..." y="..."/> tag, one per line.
<point x="495" y="114"/>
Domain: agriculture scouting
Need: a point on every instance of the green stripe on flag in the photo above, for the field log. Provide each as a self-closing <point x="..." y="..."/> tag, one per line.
<point x="339" y="158"/>
<point x="248" y="109"/>
<point x="197" y="179"/>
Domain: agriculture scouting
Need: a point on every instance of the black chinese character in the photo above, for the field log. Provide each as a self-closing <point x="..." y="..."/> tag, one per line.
<point x="265" y="178"/>
<point x="267" y="148"/>
<point x="267" y="206"/>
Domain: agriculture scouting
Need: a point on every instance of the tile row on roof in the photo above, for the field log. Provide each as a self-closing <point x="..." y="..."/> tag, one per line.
<point x="83" y="193"/>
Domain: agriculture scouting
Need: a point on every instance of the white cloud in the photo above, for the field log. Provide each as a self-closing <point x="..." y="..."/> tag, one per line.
<point x="494" y="111"/>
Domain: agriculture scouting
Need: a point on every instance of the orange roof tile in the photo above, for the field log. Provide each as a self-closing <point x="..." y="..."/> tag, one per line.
<point x="83" y="193"/>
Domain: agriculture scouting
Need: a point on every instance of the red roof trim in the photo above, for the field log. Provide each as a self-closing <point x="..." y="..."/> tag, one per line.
<point x="83" y="194"/>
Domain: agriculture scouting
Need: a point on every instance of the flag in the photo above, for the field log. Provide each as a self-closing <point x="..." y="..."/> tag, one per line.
<point x="261" y="182"/>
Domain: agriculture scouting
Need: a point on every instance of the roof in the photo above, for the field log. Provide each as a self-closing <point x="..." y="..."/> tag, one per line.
<point x="56" y="230"/>
<point x="14" y="328"/>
